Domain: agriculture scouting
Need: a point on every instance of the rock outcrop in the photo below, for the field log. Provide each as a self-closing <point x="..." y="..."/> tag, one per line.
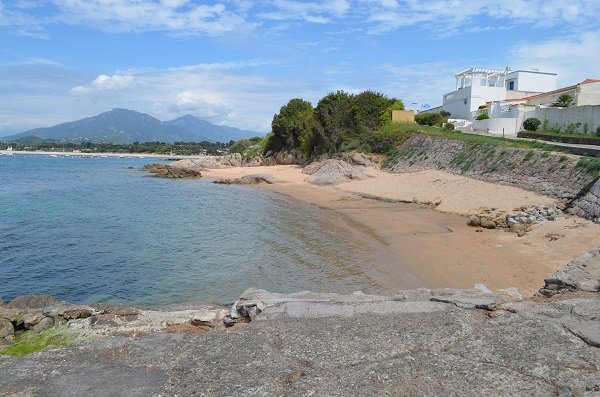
<point x="246" y="180"/>
<point x="581" y="274"/>
<point x="172" y="171"/>
<point x="342" y="168"/>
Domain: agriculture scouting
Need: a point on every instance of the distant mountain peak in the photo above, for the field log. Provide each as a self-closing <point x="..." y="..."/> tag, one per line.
<point x="120" y="125"/>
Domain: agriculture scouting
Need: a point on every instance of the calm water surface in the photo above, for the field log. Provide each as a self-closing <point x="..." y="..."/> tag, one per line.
<point x="94" y="230"/>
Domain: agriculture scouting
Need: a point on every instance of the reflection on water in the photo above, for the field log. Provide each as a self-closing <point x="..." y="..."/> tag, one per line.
<point x="89" y="230"/>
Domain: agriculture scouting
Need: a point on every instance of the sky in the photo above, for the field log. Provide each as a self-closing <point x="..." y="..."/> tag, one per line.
<point x="236" y="62"/>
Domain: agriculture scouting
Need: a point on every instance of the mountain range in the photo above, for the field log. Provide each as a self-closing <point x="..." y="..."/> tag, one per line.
<point x="128" y="126"/>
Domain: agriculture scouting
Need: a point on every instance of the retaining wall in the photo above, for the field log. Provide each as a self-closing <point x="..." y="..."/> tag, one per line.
<point x="551" y="174"/>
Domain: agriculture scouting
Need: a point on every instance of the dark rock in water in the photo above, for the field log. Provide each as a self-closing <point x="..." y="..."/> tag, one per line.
<point x="6" y="328"/>
<point x="246" y="180"/>
<point x="33" y="302"/>
<point x="170" y="171"/>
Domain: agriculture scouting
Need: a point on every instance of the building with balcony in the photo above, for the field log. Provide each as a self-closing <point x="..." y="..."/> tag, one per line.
<point x="477" y="86"/>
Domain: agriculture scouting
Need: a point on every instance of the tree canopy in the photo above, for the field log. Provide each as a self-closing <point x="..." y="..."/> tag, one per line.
<point x="340" y="122"/>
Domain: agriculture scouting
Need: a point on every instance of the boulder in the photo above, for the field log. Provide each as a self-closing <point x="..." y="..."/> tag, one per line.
<point x="75" y="312"/>
<point x="581" y="274"/>
<point x="44" y="324"/>
<point x="474" y="220"/>
<point x="172" y="172"/>
<point x="204" y="317"/>
<point x="33" y="302"/>
<point x="488" y="224"/>
<point x="6" y="328"/>
<point x="30" y="319"/>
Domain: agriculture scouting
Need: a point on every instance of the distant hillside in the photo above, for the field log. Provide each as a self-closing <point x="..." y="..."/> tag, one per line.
<point x="127" y="126"/>
<point x="210" y="131"/>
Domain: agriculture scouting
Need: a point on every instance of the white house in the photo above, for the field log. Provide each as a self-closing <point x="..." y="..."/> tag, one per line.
<point x="477" y="86"/>
<point x="585" y="93"/>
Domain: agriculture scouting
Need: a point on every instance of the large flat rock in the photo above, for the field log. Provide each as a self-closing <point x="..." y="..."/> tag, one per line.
<point x="325" y="344"/>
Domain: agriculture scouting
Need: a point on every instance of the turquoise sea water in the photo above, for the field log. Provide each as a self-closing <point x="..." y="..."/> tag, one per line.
<point x="94" y="230"/>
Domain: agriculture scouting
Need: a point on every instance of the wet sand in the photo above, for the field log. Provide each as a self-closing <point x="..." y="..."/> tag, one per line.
<point x="434" y="247"/>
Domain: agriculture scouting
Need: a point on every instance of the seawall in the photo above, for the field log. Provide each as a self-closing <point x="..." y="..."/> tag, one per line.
<point x="552" y="174"/>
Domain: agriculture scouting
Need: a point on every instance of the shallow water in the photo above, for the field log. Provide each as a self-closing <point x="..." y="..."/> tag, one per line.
<point x="93" y="230"/>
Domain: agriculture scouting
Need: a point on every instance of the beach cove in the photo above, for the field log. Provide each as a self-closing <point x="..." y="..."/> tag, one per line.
<point x="435" y="245"/>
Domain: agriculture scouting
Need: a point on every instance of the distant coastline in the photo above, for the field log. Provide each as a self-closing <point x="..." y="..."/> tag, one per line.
<point x="78" y="154"/>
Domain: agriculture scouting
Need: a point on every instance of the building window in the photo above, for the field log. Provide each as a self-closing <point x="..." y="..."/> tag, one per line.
<point x="510" y="85"/>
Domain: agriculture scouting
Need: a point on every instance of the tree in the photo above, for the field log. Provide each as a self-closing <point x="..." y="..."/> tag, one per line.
<point x="334" y="122"/>
<point x="293" y="123"/>
<point x="563" y="101"/>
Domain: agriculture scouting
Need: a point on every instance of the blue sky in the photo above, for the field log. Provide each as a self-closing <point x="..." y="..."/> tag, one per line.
<point x="236" y="62"/>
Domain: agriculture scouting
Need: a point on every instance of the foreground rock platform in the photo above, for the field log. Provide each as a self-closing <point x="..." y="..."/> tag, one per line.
<point x="416" y="343"/>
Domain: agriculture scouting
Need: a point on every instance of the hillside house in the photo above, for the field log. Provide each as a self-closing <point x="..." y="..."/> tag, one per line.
<point x="477" y="86"/>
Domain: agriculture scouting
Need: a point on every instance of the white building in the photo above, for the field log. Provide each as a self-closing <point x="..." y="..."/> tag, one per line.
<point x="477" y="86"/>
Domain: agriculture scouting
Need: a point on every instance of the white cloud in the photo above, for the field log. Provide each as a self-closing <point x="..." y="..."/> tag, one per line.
<point x="104" y="83"/>
<point x="190" y="18"/>
<point x="180" y="17"/>
<point x="574" y="58"/>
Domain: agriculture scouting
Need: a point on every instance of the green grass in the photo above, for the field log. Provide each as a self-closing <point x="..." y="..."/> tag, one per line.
<point x="31" y="341"/>
<point x="590" y="165"/>
<point x="565" y="134"/>
<point x="528" y="156"/>
<point x="402" y="131"/>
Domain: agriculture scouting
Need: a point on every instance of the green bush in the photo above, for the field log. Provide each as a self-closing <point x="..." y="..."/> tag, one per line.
<point x="449" y="126"/>
<point x="531" y="124"/>
<point x="482" y="116"/>
<point x="445" y="114"/>
<point x="431" y="119"/>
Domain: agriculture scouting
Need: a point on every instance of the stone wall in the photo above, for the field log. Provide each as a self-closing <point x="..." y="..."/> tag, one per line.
<point x="551" y="174"/>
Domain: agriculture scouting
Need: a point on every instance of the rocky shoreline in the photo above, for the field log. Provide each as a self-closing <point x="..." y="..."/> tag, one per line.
<point x="417" y="342"/>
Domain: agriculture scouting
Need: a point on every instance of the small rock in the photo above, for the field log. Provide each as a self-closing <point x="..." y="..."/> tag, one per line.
<point x="228" y="321"/>
<point x="511" y="221"/>
<point x="44" y="324"/>
<point x="479" y="230"/>
<point x="6" y="328"/>
<point x="561" y="206"/>
<point x="512" y="293"/>
<point x="482" y="288"/>
<point x="32" y="318"/>
<point x="488" y="224"/>
<point x="75" y="312"/>
<point x="203" y="317"/>
<point x="473" y="220"/>
<point x="521" y="233"/>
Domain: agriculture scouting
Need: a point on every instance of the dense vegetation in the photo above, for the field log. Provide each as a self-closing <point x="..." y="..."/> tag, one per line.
<point x="340" y="122"/>
<point x="178" y="148"/>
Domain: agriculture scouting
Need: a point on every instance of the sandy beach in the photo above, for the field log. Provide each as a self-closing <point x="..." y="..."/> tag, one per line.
<point x="432" y="242"/>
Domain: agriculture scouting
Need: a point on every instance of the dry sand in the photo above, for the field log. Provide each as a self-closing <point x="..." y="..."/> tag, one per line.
<point x="436" y="246"/>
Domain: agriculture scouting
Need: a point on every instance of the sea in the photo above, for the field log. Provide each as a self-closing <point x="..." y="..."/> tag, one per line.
<point x="102" y="230"/>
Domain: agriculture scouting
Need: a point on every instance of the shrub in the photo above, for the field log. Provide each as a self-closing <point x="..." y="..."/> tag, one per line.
<point x="531" y="124"/>
<point x="597" y="131"/>
<point x="449" y="126"/>
<point x="430" y="119"/>
<point x="445" y="114"/>
<point x="570" y="128"/>
<point x="564" y="101"/>
<point x="482" y="116"/>
<point x="586" y="128"/>
<point x="546" y="123"/>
